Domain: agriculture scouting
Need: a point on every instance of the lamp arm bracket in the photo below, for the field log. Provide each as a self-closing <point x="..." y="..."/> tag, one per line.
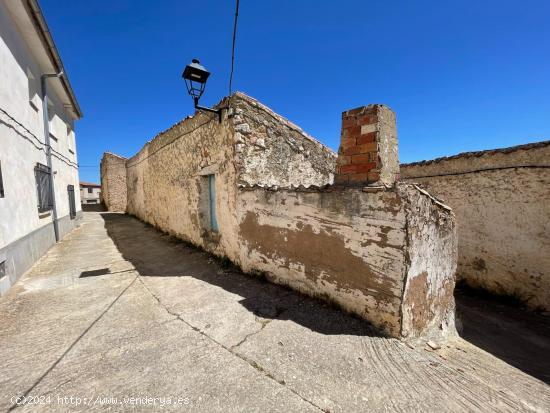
<point x="205" y="109"/>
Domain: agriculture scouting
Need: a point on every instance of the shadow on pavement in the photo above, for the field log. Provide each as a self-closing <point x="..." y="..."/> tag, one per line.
<point x="93" y="207"/>
<point x="156" y="254"/>
<point x="515" y="335"/>
<point x="518" y="337"/>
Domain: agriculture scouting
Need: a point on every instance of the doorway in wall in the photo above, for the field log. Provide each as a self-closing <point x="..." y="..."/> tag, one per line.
<point x="212" y="202"/>
<point x="72" y="204"/>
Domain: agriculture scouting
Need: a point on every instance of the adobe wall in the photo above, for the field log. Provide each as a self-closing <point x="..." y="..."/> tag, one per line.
<point x="167" y="180"/>
<point x="386" y="253"/>
<point x="388" y="256"/>
<point x="501" y="199"/>
<point x="113" y="182"/>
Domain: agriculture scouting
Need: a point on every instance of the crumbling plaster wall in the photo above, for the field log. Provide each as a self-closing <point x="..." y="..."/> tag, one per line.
<point x="277" y="213"/>
<point x="273" y="152"/>
<point x="428" y="296"/>
<point x="167" y="184"/>
<point x="501" y="199"/>
<point x="113" y="182"/>
<point x="166" y="187"/>
<point x="357" y="249"/>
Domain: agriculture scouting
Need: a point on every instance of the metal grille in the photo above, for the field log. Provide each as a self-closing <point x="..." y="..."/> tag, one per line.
<point x="43" y="187"/>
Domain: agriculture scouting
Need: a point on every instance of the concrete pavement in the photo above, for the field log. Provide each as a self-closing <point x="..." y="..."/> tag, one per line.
<point x="120" y="317"/>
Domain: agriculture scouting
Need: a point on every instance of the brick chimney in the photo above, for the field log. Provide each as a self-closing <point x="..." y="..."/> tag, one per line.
<point x="368" y="147"/>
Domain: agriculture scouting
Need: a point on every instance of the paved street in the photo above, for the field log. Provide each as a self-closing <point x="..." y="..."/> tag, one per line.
<point x="119" y="310"/>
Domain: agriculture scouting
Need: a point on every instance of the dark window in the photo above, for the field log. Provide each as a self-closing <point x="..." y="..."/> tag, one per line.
<point x="1" y="183"/>
<point x="90" y="190"/>
<point x="43" y="187"/>
<point x="72" y="205"/>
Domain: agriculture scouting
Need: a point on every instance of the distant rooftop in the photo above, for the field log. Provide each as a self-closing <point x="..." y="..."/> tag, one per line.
<point x="92" y="184"/>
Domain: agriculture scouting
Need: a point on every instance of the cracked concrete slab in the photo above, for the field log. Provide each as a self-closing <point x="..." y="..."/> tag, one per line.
<point x="158" y="318"/>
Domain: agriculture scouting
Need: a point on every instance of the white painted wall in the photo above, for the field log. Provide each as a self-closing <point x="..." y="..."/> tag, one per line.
<point x="19" y="151"/>
<point x="87" y="198"/>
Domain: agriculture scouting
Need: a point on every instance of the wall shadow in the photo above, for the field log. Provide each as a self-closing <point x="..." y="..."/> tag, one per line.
<point x="93" y="207"/>
<point x="515" y="335"/>
<point x="518" y="337"/>
<point x="154" y="253"/>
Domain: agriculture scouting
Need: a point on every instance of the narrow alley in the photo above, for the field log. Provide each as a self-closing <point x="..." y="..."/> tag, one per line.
<point x="119" y="310"/>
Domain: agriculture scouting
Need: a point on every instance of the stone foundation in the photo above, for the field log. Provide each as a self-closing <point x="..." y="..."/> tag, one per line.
<point x="113" y="182"/>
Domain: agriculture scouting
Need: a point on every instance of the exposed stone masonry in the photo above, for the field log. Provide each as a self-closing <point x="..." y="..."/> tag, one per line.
<point x="113" y="182"/>
<point x="386" y="253"/>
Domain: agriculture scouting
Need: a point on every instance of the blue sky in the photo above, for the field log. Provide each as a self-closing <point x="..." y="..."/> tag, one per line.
<point x="461" y="75"/>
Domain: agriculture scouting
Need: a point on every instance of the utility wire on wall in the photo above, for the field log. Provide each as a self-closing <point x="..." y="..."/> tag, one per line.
<point x="30" y="135"/>
<point x="233" y="47"/>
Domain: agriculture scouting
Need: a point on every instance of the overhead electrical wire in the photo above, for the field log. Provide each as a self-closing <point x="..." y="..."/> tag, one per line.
<point x="210" y="118"/>
<point x="66" y="160"/>
<point x="233" y="47"/>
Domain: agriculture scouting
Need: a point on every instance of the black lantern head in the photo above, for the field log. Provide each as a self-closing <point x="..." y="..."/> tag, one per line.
<point x="195" y="76"/>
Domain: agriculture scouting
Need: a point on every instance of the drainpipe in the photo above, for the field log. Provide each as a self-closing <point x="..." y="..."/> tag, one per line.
<point x="43" y="79"/>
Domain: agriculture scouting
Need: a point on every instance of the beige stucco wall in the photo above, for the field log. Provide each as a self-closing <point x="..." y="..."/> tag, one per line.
<point x="278" y="214"/>
<point x="352" y="247"/>
<point x="113" y="182"/>
<point x="501" y="199"/>
<point x="166" y="180"/>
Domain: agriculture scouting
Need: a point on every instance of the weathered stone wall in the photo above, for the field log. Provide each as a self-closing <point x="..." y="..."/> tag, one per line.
<point x="166" y="185"/>
<point x="501" y="199"/>
<point x="273" y="152"/>
<point x="276" y="212"/>
<point x="352" y="247"/>
<point x="113" y="182"/>
<point x="167" y="179"/>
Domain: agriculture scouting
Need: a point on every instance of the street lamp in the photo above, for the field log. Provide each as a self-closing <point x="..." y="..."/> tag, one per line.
<point x="195" y="76"/>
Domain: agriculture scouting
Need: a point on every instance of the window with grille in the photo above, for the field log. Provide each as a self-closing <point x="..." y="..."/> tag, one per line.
<point x="90" y="190"/>
<point x="43" y="187"/>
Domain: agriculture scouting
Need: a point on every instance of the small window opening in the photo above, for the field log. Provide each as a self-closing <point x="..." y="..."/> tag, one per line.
<point x="52" y="121"/>
<point x="43" y="187"/>
<point x="70" y="139"/>
<point x="33" y="90"/>
<point x="72" y="203"/>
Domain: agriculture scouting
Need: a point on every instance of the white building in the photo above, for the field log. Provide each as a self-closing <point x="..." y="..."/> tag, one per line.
<point x="37" y="141"/>
<point x="90" y="193"/>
